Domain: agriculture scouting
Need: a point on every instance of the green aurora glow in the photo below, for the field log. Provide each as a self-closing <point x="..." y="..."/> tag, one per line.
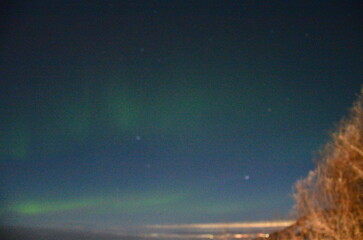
<point x="70" y="118"/>
<point x="131" y="204"/>
<point x="177" y="203"/>
<point x="147" y="113"/>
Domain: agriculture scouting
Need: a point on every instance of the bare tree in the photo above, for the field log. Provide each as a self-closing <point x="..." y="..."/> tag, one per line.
<point x="330" y="198"/>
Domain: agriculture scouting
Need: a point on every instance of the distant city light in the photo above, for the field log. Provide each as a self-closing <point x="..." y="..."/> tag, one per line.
<point x="265" y="224"/>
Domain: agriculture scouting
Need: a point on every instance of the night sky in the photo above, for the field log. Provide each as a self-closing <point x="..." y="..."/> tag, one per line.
<point x="119" y="113"/>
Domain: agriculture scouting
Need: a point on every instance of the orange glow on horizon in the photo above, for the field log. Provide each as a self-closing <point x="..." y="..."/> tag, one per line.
<point x="264" y="224"/>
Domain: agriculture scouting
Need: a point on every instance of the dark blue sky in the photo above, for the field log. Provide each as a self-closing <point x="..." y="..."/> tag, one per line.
<point x="159" y="112"/>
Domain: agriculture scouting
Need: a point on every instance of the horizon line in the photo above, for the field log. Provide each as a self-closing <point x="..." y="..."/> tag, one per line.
<point x="255" y="224"/>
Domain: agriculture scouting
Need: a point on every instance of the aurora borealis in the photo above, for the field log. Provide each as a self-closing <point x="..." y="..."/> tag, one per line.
<point x="126" y="113"/>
